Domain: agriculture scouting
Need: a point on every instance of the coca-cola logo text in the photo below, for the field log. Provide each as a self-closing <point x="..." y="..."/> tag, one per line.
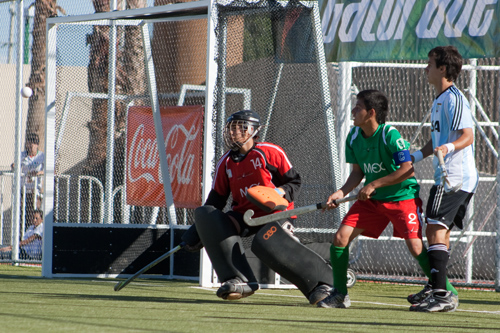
<point x="183" y="132"/>
<point x="143" y="155"/>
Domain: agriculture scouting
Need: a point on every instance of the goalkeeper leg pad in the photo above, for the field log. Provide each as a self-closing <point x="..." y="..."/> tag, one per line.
<point x="292" y="260"/>
<point x="223" y="244"/>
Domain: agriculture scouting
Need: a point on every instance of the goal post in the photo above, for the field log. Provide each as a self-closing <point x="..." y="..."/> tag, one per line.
<point x="106" y="211"/>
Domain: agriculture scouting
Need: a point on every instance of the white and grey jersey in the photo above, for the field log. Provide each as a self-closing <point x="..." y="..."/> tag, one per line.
<point x="451" y="113"/>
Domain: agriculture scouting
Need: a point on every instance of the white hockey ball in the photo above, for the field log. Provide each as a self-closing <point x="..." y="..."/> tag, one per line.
<point x="26" y="92"/>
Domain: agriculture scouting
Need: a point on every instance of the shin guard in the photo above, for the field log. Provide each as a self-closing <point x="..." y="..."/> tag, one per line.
<point x="223" y="244"/>
<point x="292" y="260"/>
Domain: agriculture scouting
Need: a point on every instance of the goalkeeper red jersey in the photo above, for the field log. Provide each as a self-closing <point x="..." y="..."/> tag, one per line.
<point x="266" y="164"/>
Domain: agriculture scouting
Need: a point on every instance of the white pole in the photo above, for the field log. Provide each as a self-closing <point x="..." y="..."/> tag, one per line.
<point x="110" y="134"/>
<point x="470" y="211"/>
<point x="333" y="151"/>
<point x="344" y="113"/>
<point x="155" y="106"/>
<point x="18" y="133"/>
<point x="497" y="225"/>
<point x="50" y="150"/>
<point x="209" y="135"/>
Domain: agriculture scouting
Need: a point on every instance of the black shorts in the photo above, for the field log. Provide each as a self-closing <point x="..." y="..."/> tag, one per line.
<point x="447" y="209"/>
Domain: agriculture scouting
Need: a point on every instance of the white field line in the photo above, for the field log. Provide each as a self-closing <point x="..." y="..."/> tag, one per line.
<point x="375" y="303"/>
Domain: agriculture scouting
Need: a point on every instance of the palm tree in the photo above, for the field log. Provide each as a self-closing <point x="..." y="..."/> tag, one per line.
<point x="129" y="71"/>
<point x="36" y="105"/>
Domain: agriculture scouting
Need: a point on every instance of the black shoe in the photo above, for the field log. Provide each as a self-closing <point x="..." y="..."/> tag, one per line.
<point x="335" y="300"/>
<point x="235" y="289"/>
<point x="319" y="293"/>
<point x="437" y="303"/>
<point x="421" y="295"/>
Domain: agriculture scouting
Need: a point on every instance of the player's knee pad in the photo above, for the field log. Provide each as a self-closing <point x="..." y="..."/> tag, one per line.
<point x="223" y="244"/>
<point x="291" y="259"/>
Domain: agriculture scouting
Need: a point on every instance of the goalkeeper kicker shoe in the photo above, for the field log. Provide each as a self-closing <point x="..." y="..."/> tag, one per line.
<point x="421" y="295"/>
<point x="335" y="300"/>
<point x="235" y="289"/>
<point x="436" y="303"/>
<point x="319" y="293"/>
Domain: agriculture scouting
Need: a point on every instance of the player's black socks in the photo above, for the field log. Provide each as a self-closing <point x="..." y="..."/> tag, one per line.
<point x="438" y="259"/>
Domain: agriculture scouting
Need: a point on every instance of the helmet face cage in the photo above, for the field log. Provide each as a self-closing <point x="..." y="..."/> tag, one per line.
<point x="247" y="129"/>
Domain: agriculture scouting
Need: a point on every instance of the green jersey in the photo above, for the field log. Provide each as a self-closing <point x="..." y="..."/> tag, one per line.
<point x="374" y="155"/>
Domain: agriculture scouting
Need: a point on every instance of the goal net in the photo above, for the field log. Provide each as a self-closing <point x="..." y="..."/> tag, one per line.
<point x="265" y="55"/>
<point x="179" y="71"/>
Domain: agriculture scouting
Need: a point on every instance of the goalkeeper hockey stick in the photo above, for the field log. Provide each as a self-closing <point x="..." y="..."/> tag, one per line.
<point x="492" y="210"/>
<point x="445" y="175"/>
<point x="120" y="285"/>
<point x="247" y="217"/>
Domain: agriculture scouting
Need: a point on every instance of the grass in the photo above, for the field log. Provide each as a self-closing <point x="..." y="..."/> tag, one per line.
<point x="30" y="303"/>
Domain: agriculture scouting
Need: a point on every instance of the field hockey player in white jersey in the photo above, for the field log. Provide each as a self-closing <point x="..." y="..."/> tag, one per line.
<point x="455" y="180"/>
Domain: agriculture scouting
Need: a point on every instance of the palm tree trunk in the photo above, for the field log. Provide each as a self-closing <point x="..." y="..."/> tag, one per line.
<point x="36" y="105"/>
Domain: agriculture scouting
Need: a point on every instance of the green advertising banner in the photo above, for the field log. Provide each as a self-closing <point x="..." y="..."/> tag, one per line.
<point x="372" y="30"/>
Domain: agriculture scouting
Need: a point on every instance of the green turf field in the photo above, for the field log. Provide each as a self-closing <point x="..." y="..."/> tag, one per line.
<point x="29" y="303"/>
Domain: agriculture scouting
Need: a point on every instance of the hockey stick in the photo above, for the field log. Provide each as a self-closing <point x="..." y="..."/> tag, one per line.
<point x="492" y="210"/>
<point x="247" y="217"/>
<point x="445" y="174"/>
<point x="476" y="212"/>
<point x="120" y="285"/>
<point x="417" y="132"/>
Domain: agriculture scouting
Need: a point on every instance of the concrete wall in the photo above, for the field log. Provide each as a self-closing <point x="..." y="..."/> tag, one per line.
<point x="7" y="112"/>
<point x="68" y="79"/>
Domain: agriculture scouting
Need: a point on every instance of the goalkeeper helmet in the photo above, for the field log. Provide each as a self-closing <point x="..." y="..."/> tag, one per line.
<point x="240" y="127"/>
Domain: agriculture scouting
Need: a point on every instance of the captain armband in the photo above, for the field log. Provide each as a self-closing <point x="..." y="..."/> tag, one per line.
<point x="401" y="156"/>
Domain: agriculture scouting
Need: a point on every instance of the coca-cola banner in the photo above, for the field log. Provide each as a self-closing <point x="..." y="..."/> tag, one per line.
<point x="183" y="131"/>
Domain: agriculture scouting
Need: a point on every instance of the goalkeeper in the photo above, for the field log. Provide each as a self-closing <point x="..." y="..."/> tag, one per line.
<point x="390" y="193"/>
<point x="248" y="164"/>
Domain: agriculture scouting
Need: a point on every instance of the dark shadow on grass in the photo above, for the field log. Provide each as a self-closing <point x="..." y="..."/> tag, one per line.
<point x="194" y="299"/>
<point x="479" y="302"/>
<point x="19" y="277"/>
<point x="402" y="326"/>
<point x="190" y="298"/>
<point x="65" y="320"/>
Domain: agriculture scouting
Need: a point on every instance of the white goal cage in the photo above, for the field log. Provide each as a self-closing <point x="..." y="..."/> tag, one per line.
<point x="228" y="55"/>
<point x="250" y="55"/>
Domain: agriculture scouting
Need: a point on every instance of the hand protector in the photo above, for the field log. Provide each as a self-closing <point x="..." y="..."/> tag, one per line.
<point x="192" y="240"/>
<point x="266" y="198"/>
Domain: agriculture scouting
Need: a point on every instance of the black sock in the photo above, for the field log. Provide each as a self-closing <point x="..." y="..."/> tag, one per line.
<point x="438" y="259"/>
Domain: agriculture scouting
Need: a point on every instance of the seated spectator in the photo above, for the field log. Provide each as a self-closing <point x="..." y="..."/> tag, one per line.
<point x="31" y="244"/>
<point x="32" y="166"/>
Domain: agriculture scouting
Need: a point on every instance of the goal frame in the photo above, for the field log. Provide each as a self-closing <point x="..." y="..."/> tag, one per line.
<point x="215" y="43"/>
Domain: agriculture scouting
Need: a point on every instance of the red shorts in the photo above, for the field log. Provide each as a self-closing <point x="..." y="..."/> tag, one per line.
<point x="373" y="216"/>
